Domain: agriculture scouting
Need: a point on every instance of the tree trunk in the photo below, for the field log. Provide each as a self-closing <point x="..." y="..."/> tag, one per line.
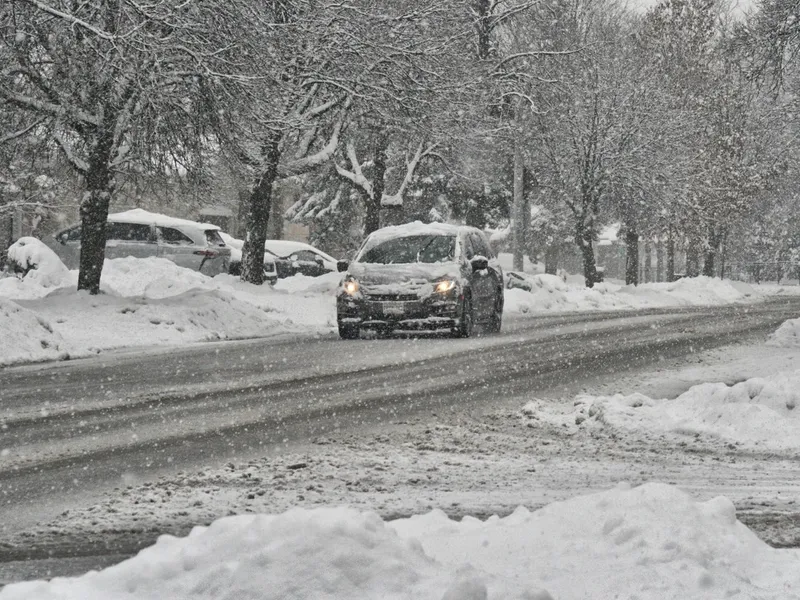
<point x="94" y="215"/>
<point x="584" y="237"/>
<point x="258" y="211"/>
<point x="551" y="256"/>
<point x="714" y="243"/>
<point x="631" y="257"/>
<point x="518" y="239"/>
<point x="692" y="258"/>
<point x="708" y="261"/>
<point x="483" y="24"/>
<point x="660" y="260"/>
<point x="648" y="260"/>
<point x="670" y="255"/>
<point x="372" y="218"/>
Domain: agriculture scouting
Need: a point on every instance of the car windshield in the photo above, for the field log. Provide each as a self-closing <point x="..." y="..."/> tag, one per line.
<point x="411" y="249"/>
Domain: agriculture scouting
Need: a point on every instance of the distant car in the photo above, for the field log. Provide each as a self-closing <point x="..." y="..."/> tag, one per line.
<point x="141" y="234"/>
<point x="292" y="258"/>
<point x="421" y="277"/>
<point x="235" y="266"/>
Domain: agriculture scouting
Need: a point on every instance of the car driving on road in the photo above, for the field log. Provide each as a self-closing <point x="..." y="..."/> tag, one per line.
<point x="141" y="234"/>
<point x="421" y="277"/>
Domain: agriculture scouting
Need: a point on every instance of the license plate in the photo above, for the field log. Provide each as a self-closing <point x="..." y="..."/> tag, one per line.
<point x="393" y="308"/>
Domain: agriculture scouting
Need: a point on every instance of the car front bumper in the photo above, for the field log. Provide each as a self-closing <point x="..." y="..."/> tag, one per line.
<point x="428" y="314"/>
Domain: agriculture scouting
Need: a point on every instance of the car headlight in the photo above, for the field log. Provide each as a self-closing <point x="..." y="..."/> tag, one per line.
<point x="444" y="286"/>
<point x="350" y="287"/>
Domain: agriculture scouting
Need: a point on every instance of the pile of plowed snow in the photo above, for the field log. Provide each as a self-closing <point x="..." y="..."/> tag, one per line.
<point x="652" y="542"/>
<point x="549" y="293"/>
<point x="26" y="337"/>
<point x="787" y="335"/>
<point x="145" y="302"/>
<point x="757" y="413"/>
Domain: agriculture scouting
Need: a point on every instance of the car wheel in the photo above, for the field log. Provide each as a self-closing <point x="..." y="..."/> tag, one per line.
<point x="467" y="324"/>
<point x="348" y="331"/>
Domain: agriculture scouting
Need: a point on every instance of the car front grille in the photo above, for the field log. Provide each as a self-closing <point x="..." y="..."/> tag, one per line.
<point x="392" y="297"/>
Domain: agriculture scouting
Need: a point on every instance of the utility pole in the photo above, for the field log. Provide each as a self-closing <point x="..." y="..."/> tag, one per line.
<point x="518" y="206"/>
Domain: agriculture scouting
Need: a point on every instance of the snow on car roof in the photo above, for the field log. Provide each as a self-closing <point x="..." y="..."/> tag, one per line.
<point x="416" y="228"/>
<point x="284" y="248"/>
<point x="139" y="215"/>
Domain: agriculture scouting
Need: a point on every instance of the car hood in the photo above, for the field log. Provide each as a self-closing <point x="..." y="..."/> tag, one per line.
<point x="386" y="278"/>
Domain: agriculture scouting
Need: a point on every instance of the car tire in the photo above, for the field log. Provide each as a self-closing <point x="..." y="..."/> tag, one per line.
<point x="466" y="326"/>
<point x="348" y="331"/>
<point x="496" y="322"/>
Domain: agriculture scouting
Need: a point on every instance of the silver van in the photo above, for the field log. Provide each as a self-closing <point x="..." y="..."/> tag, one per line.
<point x="140" y="234"/>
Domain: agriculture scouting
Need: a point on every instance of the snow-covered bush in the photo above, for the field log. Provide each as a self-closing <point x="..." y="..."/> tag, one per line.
<point x="35" y="261"/>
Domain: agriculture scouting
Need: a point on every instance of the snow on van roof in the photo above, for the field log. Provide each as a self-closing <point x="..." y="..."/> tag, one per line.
<point x="139" y="215"/>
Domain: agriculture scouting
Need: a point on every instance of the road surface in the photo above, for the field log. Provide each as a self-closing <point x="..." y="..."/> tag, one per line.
<point x="75" y="430"/>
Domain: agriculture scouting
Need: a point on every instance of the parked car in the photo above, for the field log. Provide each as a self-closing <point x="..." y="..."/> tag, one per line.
<point x="140" y="233"/>
<point x="421" y="277"/>
<point x="235" y="265"/>
<point x="292" y="258"/>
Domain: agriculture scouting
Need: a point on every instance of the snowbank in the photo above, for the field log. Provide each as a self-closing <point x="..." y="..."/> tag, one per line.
<point x="152" y="301"/>
<point x="548" y="293"/>
<point x="757" y="413"/>
<point x="26" y="336"/>
<point x="652" y="542"/>
<point x="150" y="278"/>
<point x="787" y="335"/>
<point x="301" y="284"/>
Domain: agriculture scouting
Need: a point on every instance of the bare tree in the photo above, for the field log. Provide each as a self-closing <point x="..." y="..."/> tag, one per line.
<point x="113" y="84"/>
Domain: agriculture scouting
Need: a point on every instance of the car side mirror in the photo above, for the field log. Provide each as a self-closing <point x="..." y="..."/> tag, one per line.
<point x="342" y="265"/>
<point x="479" y="263"/>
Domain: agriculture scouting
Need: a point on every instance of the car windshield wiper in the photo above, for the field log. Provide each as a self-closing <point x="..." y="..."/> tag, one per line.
<point x="425" y="247"/>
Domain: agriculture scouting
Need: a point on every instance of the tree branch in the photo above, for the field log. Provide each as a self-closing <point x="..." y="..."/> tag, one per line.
<point x="71" y="19"/>
<point x="396" y="199"/>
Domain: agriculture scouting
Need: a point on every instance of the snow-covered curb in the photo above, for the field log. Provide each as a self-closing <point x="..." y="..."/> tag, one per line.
<point x="649" y="542"/>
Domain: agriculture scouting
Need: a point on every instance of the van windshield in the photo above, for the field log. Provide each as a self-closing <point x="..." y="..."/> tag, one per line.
<point x="411" y="249"/>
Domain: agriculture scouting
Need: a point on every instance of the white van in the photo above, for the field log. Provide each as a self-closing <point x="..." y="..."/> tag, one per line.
<point x="140" y="233"/>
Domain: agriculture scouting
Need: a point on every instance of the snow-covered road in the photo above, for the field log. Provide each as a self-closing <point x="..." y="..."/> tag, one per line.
<point x="77" y="429"/>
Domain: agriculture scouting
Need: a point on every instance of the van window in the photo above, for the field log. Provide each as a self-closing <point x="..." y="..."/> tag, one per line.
<point x="129" y="232"/>
<point x="174" y="237"/>
<point x="214" y="238"/>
